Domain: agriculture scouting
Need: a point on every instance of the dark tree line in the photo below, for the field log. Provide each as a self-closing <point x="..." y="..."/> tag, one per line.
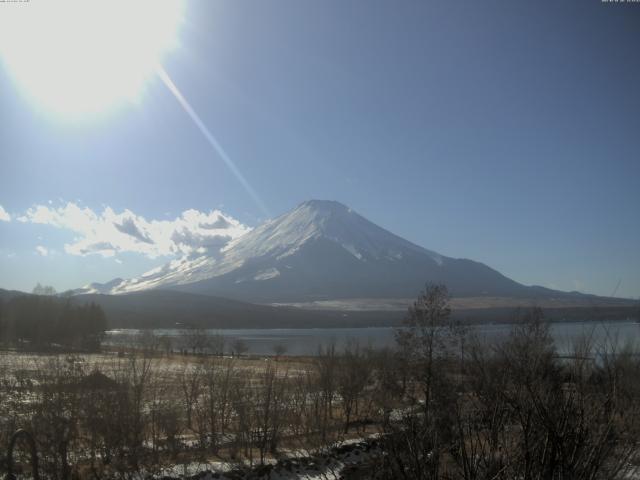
<point x="42" y="322"/>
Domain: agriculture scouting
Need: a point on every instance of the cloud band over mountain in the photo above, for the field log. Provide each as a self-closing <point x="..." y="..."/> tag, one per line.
<point x="108" y="233"/>
<point x="4" y="216"/>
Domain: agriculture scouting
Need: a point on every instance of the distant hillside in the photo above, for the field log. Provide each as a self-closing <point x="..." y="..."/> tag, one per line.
<point x="6" y="295"/>
<point x="171" y="309"/>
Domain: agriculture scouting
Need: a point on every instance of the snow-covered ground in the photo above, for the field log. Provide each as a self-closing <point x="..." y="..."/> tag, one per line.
<point x="294" y="465"/>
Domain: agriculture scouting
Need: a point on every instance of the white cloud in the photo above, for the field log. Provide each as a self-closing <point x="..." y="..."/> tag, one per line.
<point x="4" y="216"/>
<point x="43" y="251"/>
<point x="109" y="233"/>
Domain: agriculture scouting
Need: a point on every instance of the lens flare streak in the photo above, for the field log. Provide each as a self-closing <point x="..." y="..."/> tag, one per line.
<point x="164" y="76"/>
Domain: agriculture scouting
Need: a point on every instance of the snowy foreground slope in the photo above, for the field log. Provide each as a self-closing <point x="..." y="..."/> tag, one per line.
<point x="344" y="458"/>
<point x="321" y="250"/>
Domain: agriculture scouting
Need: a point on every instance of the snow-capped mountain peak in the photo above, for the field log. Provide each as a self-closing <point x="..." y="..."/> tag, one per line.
<point x="326" y="219"/>
<point x="321" y="249"/>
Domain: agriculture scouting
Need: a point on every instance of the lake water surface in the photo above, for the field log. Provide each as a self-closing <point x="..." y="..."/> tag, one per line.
<point x="306" y="341"/>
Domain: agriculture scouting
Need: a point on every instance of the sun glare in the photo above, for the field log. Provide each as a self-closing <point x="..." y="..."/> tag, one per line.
<point x="75" y="57"/>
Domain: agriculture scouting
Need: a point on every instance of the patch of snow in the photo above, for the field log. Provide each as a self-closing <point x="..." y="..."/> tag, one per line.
<point x="99" y="288"/>
<point x="294" y="466"/>
<point x="353" y="251"/>
<point x="437" y="258"/>
<point x="267" y="274"/>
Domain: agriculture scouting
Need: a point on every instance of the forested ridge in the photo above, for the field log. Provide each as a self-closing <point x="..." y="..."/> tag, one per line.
<point x="40" y="322"/>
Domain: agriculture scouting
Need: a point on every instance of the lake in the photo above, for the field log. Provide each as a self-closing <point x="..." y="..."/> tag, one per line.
<point x="307" y="341"/>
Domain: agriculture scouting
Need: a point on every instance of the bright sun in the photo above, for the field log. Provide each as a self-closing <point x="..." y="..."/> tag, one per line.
<point x="85" y="56"/>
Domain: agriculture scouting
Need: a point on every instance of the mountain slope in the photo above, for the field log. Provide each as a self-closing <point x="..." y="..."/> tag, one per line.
<point x="95" y="287"/>
<point x="323" y="250"/>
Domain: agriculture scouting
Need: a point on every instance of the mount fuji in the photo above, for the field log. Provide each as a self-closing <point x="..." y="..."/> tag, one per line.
<point x="321" y="251"/>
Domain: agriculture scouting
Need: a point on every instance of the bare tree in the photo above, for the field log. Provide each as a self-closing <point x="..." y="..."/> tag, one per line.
<point x="191" y="387"/>
<point x="44" y="290"/>
<point x="166" y="344"/>
<point x="148" y="341"/>
<point x="196" y="339"/>
<point x="326" y="364"/>
<point x="239" y="347"/>
<point x="354" y="372"/>
<point x="217" y="342"/>
<point x="279" y="349"/>
<point x="418" y="441"/>
<point x="425" y="335"/>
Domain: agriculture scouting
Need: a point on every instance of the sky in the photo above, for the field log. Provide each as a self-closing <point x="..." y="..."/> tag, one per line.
<point x="504" y="132"/>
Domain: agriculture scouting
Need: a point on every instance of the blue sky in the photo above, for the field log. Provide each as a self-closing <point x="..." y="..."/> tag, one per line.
<point x="505" y="132"/>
